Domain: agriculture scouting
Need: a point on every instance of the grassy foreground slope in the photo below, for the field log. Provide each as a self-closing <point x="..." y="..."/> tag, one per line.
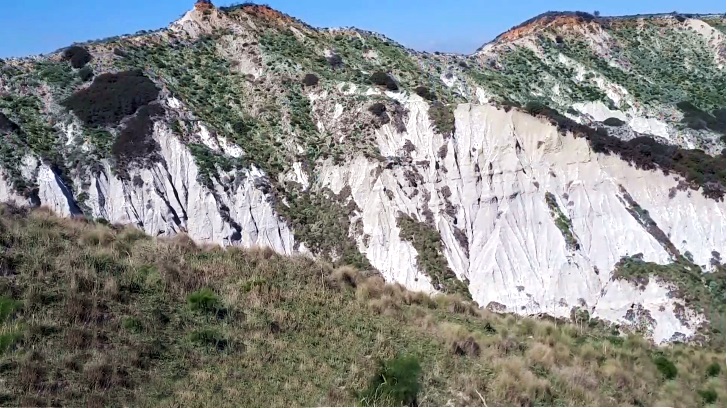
<point x="97" y="315"/>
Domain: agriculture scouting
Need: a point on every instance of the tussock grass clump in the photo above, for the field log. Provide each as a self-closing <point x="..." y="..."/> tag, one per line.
<point x="204" y="300"/>
<point x="125" y="319"/>
<point x="396" y="383"/>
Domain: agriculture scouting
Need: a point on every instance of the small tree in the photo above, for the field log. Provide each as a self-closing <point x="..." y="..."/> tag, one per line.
<point x="597" y="13"/>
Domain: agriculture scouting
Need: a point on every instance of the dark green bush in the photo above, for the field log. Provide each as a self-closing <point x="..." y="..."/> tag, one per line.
<point x="424" y="92"/>
<point x="430" y="255"/>
<point x="535" y="107"/>
<point x="714" y="369"/>
<point x="7" y="125"/>
<point x="383" y="79"/>
<point x="8" y="307"/>
<point x="377" y="108"/>
<point x="8" y="339"/>
<point x="204" y="300"/>
<point x="696" y="118"/>
<point x="78" y="56"/>
<point x="442" y="118"/>
<point x="209" y="338"/>
<point x="613" y="122"/>
<point x="310" y="80"/>
<point x="112" y="97"/>
<point x="335" y="61"/>
<point x="85" y="73"/>
<point x="396" y="383"/>
<point x="135" y="140"/>
<point x="708" y="396"/>
<point x="666" y="367"/>
<point x="132" y="324"/>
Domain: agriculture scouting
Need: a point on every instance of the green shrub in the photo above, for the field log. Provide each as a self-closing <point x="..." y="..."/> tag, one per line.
<point x="613" y="122"/>
<point x="204" y="300"/>
<point x="132" y="324"/>
<point x="696" y="118"/>
<point x="85" y="73"/>
<point x="430" y="255"/>
<point x="112" y="97"/>
<point x="377" y="109"/>
<point x="396" y="383"/>
<point x="563" y="223"/>
<point x="8" y="339"/>
<point x="442" y="117"/>
<point x="425" y="93"/>
<point x="666" y="367"/>
<point x="535" y="107"/>
<point x="714" y="369"/>
<point x="209" y="338"/>
<point x="8" y="306"/>
<point x="310" y="80"/>
<point x="708" y="396"/>
<point x="78" y="56"/>
<point x="7" y="125"/>
<point x="381" y="78"/>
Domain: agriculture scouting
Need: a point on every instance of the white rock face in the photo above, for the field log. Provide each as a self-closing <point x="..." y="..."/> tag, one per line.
<point x="650" y="126"/>
<point x="624" y="303"/>
<point x="167" y="199"/>
<point x="494" y="173"/>
<point x="599" y="111"/>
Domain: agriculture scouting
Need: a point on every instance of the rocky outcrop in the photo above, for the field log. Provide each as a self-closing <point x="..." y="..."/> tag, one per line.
<point x="488" y="183"/>
<point x="203" y="5"/>
<point x="167" y="199"/>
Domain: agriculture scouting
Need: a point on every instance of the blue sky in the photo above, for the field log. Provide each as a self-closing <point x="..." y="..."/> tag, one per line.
<point x="40" y="26"/>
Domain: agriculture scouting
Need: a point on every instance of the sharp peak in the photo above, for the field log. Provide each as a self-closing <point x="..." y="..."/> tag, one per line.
<point x="258" y="10"/>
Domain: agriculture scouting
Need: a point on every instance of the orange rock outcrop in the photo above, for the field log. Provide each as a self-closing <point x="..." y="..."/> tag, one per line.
<point x="203" y="5"/>
<point x="269" y="14"/>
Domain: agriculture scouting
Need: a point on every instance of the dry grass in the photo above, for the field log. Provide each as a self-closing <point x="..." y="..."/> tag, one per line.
<point x="105" y="320"/>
